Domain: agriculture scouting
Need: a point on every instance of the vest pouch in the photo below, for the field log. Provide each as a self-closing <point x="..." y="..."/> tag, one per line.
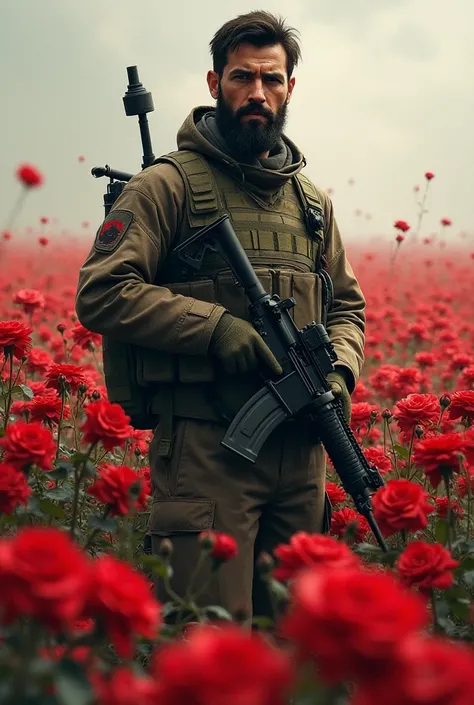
<point x="306" y="288"/>
<point x="153" y="366"/>
<point x="119" y="361"/>
<point x="232" y="296"/>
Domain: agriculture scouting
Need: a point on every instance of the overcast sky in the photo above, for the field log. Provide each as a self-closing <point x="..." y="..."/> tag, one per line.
<point x="384" y="93"/>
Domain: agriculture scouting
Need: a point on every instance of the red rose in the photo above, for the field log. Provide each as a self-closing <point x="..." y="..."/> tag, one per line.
<point x="223" y="547"/>
<point x="401" y="225"/>
<point x="28" y="444"/>
<point x="144" y="473"/>
<point x="361" y="413"/>
<point x="225" y="665"/>
<point x="433" y="672"/>
<point x="14" y="488"/>
<point x="443" y="504"/>
<point x="343" y="518"/>
<point x="38" y="360"/>
<point x="417" y="410"/>
<point x="30" y="299"/>
<point x="44" y="575"/>
<point x="312" y="550"/>
<point x="446" y="222"/>
<point x="47" y="407"/>
<point x="462" y="484"/>
<point x="16" y="335"/>
<point x="121" y="488"/>
<point x="124" y="687"/>
<point x="29" y="176"/>
<point x="351" y="622"/>
<point x="121" y="600"/>
<point x="337" y="495"/>
<point x="74" y="376"/>
<point x="139" y="442"/>
<point x="439" y="455"/>
<point x="429" y="175"/>
<point x="468" y="446"/>
<point x="375" y="456"/>
<point x="406" y="380"/>
<point x="426" y="565"/>
<point x="107" y="423"/>
<point x="85" y="338"/>
<point x="401" y="505"/>
<point x="425" y="359"/>
<point x="20" y="408"/>
<point x="462" y="405"/>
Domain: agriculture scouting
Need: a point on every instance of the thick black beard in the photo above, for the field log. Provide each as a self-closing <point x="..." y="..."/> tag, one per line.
<point x="248" y="140"/>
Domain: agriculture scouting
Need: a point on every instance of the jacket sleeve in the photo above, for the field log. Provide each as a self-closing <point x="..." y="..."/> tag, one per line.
<point x="116" y="294"/>
<point x="346" y="320"/>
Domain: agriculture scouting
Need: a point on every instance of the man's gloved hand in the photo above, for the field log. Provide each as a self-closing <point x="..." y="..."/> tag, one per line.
<point x="339" y="389"/>
<point x="240" y="348"/>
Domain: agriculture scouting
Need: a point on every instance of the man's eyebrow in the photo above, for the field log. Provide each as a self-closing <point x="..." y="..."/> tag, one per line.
<point x="265" y="74"/>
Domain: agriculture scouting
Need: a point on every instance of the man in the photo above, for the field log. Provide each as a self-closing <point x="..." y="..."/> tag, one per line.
<point x="188" y="340"/>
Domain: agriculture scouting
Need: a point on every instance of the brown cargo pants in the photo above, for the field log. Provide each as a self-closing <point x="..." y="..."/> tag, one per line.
<point x="205" y="486"/>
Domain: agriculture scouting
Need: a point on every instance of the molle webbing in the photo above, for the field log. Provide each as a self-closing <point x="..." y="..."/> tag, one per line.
<point x="203" y="197"/>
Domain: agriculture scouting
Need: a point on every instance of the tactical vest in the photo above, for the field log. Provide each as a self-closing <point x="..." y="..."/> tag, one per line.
<point x="284" y="242"/>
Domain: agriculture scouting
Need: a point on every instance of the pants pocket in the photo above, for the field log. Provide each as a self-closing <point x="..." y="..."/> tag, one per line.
<point x="181" y="516"/>
<point x="165" y="471"/>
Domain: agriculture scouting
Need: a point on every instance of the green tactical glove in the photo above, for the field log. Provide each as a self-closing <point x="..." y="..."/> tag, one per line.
<point x="339" y="389"/>
<point x="240" y="348"/>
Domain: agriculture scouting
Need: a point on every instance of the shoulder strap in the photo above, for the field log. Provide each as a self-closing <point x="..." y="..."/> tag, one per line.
<point x="203" y="200"/>
<point x="312" y="206"/>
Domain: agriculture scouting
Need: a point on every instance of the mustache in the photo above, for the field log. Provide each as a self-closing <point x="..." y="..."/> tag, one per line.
<point x="254" y="109"/>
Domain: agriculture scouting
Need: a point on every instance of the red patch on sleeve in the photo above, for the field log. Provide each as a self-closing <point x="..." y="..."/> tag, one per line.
<point x="112" y="230"/>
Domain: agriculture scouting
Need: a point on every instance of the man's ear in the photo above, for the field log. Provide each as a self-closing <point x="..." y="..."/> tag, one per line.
<point x="213" y="83"/>
<point x="291" y="85"/>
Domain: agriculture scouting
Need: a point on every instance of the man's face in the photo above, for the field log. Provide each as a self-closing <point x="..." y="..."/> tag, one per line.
<point x="252" y="98"/>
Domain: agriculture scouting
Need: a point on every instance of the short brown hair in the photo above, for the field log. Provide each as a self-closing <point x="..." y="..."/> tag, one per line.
<point x="259" y="28"/>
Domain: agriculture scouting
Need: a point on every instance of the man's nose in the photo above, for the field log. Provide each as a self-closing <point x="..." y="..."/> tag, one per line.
<point x="257" y="94"/>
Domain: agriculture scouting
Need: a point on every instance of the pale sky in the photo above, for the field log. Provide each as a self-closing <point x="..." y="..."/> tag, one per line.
<point x="383" y="94"/>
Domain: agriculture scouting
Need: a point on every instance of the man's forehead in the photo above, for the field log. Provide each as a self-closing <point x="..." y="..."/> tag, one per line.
<point x="250" y="58"/>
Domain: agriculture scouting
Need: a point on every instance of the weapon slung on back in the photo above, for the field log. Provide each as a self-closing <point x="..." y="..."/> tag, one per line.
<point x="306" y="356"/>
<point x="137" y="101"/>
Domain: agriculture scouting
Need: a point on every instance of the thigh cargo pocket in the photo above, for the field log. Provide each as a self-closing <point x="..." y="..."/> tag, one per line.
<point x="181" y="516"/>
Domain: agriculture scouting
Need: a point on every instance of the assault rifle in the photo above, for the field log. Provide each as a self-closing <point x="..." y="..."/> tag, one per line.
<point x="306" y="355"/>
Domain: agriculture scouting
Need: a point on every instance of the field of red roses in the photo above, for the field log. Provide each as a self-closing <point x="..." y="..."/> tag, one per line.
<point x="79" y="623"/>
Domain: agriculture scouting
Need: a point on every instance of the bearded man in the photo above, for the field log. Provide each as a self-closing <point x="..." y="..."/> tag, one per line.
<point x="186" y="341"/>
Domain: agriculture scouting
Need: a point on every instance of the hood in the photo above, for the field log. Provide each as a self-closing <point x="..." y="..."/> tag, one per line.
<point x="258" y="178"/>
